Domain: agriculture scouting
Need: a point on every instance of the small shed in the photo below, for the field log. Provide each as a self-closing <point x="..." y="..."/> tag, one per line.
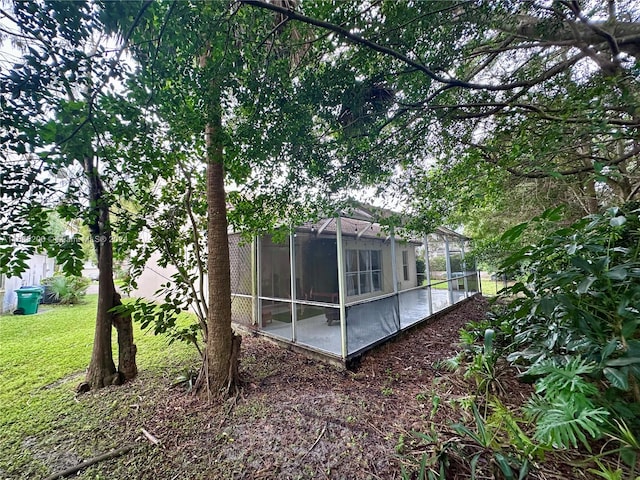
<point x="341" y="285"/>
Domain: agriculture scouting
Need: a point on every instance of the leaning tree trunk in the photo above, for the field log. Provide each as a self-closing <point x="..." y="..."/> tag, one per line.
<point x="219" y="374"/>
<point x="102" y="370"/>
<point x="127" y="367"/>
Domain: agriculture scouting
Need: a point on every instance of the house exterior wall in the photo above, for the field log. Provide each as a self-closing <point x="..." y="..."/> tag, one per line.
<point x="412" y="276"/>
<point x="3" y="280"/>
<point x="275" y="269"/>
<point x="351" y="243"/>
<point x="39" y="267"/>
<point x="152" y="277"/>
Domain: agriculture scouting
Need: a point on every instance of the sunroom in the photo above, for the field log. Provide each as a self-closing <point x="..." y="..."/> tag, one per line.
<point x="342" y="285"/>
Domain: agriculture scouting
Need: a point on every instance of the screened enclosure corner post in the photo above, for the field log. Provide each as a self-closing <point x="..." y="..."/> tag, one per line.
<point x="292" y="267"/>
<point x="254" y="283"/>
<point x="394" y="261"/>
<point x="342" y="278"/>
<point x="258" y="272"/>
<point x="427" y="274"/>
<point x="448" y="268"/>
<point x="464" y="271"/>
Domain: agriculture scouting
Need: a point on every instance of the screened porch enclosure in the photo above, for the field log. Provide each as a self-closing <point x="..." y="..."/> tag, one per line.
<point x="342" y="285"/>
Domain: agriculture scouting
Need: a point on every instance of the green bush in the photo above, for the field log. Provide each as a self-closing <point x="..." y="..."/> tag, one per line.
<point x="580" y="297"/>
<point x="563" y="406"/>
<point x="577" y="307"/>
<point x="437" y="264"/>
<point x="67" y="289"/>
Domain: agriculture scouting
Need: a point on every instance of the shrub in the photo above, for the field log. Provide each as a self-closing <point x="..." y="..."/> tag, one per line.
<point x="563" y="406"/>
<point x="580" y="297"/>
<point x="577" y="307"/>
<point x="67" y="289"/>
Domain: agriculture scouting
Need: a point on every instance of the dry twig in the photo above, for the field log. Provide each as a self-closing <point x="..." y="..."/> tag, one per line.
<point x="324" y="429"/>
<point x="92" y="461"/>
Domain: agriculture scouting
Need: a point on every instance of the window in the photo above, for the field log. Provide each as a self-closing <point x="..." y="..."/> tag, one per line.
<point x="405" y="265"/>
<point x="364" y="271"/>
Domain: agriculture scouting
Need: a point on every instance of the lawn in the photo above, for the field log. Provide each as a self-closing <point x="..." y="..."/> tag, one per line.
<point x="490" y="288"/>
<point x="42" y="360"/>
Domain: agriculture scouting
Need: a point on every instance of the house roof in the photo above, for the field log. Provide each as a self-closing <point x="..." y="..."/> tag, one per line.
<point x="362" y="221"/>
<point x="350" y="227"/>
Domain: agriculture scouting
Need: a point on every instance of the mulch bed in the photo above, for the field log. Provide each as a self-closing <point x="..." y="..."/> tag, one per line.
<point x="298" y="418"/>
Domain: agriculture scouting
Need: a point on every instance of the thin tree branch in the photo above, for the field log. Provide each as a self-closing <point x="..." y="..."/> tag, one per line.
<point x="196" y="241"/>
<point x="448" y="82"/>
<point x="544" y="115"/>
<point x="420" y="17"/>
<point x="487" y="154"/>
<point x="92" y="461"/>
<point x="613" y="44"/>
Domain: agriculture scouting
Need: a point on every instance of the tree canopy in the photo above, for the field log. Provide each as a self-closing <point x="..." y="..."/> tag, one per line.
<point x="489" y="95"/>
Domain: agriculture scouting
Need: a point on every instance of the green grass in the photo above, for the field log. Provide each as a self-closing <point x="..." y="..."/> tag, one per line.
<point x="43" y="358"/>
<point x="489" y="287"/>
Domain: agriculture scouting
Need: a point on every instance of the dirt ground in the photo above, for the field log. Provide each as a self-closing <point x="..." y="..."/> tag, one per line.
<point x="296" y="418"/>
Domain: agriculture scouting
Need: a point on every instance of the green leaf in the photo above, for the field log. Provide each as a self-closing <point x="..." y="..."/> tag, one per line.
<point x="582" y="264"/>
<point x="423" y="466"/>
<point x="623" y="361"/>
<point x="503" y="463"/>
<point x="618" y="272"/>
<point x="564" y="423"/>
<point x="598" y="166"/>
<point x="524" y="470"/>
<point x="554" y="214"/>
<point x="629" y="457"/>
<point x="585" y="284"/>
<point x="609" y="349"/>
<point x="462" y="430"/>
<point x="489" y="334"/>
<point x="617" y="378"/>
<point x="514" y="233"/>
<point x="546" y="306"/>
<point x="473" y="464"/>
<point x="629" y="327"/>
<point x="618" y="221"/>
<point x="424" y="437"/>
<point x="633" y="348"/>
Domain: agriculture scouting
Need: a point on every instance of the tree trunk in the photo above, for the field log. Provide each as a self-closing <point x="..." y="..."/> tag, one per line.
<point x="219" y="374"/>
<point x="127" y="367"/>
<point x="591" y="196"/>
<point x="102" y="370"/>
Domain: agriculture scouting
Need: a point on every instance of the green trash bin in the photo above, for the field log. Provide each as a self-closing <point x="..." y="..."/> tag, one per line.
<point x="28" y="299"/>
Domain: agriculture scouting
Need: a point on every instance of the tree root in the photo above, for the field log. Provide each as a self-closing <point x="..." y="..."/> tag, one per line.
<point x="233" y="383"/>
<point x="234" y="361"/>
